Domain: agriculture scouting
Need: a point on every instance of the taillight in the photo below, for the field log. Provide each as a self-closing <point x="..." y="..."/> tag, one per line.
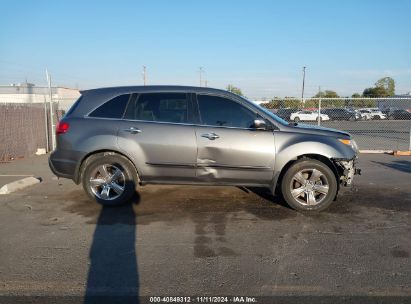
<point x="62" y="127"/>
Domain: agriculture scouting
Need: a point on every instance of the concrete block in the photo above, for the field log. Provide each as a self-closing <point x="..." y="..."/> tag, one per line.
<point x="19" y="184"/>
<point x="41" y="151"/>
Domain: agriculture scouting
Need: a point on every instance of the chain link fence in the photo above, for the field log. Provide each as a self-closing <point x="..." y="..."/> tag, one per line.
<point x="375" y="123"/>
<point x="26" y="127"/>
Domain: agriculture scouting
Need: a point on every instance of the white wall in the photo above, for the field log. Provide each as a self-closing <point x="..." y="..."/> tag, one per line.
<point x="64" y="96"/>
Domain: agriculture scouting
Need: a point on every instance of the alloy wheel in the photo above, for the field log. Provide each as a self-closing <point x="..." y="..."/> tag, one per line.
<point x="309" y="187"/>
<point x="107" y="182"/>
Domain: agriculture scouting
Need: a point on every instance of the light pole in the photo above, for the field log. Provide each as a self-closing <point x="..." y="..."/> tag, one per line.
<point x="302" y="91"/>
<point x="201" y="75"/>
<point x="145" y="74"/>
<point x="52" y="124"/>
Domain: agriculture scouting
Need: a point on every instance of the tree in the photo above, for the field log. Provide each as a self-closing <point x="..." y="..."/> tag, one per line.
<point x="356" y="95"/>
<point x="292" y="102"/>
<point x="274" y="103"/>
<point x="235" y="90"/>
<point x="375" y="92"/>
<point x="384" y="87"/>
<point x="326" y="94"/>
<point x="286" y="102"/>
<point x="388" y="84"/>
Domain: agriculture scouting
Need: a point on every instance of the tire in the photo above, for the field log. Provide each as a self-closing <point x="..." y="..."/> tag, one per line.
<point x="319" y="119"/>
<point x="320" y="196"/>
<point x="297" y="119"/>
<point x="109" y="179"/>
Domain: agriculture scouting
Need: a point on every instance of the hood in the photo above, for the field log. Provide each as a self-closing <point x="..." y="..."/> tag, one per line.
<point x="313" y="129"/>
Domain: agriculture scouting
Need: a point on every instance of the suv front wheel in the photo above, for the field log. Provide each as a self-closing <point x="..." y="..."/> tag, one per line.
<point x="309" y="185"/>
<point x="109" y="179"/>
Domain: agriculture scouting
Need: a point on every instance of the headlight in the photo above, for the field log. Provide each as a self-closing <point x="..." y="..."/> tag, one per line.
<point x="349" y="142"/>
<point x="354" y="145"/>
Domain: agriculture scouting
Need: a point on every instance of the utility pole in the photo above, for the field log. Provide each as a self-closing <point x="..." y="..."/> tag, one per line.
<point x="302" y="91"/>
<point x="201" y="75"/>
<point x="205" y="83"/>
<point x="145" y="74"/>
<point x="53" y="126"/>
<point x="46" y="125"/>
<point x="319" y="106"/>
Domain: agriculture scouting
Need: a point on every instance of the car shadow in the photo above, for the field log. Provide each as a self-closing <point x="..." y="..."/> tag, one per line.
<point x="113" y="274"/>
<point x="267" y="195"/>
<point x="400" y="165"/>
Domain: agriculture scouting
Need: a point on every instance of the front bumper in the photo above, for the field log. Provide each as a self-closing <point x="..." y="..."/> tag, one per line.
<point x="348" y="169"/>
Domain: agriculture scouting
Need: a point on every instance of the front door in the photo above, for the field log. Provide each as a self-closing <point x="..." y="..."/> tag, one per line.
<point x="229" y="150"/>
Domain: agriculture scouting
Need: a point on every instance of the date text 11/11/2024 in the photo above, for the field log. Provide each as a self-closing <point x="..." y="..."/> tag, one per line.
<point x="204" y="299"/>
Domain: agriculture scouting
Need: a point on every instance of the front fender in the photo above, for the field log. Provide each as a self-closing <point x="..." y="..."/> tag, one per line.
<point x="290" y="146"/>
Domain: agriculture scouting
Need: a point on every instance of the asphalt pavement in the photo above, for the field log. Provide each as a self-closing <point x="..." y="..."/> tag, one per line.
<point x="206" y="241"/>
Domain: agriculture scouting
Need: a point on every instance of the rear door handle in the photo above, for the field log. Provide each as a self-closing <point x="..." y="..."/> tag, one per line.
<point x="132" y="130"/>
<point x="210" y="136"/>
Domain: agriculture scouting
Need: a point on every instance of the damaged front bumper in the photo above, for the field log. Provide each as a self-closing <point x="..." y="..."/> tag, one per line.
<point x="347" y="169"/>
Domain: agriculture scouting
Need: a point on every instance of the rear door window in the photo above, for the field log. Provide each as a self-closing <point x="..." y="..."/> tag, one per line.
<point x="160" y="107"/>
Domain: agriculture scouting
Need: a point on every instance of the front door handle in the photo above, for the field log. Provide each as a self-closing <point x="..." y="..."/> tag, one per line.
<point x="210" y="136"/>
<point x="132" y="130"/>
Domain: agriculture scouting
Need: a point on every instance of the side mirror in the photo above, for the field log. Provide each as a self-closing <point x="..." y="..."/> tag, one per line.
<point x="259" y="124"/>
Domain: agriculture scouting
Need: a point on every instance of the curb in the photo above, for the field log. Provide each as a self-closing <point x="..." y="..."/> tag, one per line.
<point x="376" y="151"/>
<point x="402" y="153"/>
<point x="18" y="185"/>
<point x="391" y="152"/>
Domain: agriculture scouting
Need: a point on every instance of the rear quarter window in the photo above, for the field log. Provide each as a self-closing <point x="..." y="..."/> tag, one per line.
<point x="73" y="107"/>
<point x="114" y="108"/>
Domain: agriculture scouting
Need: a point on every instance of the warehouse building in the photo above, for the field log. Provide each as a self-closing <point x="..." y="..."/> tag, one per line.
<point x="29" y="93"/>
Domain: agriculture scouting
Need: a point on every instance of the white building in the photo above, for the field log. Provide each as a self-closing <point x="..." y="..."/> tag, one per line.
<point x="29" y="93"/>
<point x="261" y="101"/>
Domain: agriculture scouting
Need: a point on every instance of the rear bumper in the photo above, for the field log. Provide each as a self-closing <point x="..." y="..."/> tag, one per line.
<point x="62" y="167"/>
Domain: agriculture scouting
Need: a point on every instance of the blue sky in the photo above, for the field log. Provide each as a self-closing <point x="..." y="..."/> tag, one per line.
<point x="259" y="46"/>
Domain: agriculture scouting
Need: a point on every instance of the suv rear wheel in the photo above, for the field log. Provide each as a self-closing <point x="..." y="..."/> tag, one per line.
<point x="309" y="185"/>
<point x="109" y="179"/>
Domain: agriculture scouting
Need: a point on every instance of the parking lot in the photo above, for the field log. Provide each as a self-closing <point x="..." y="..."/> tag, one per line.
<point x="191" y="240"/>
<point x="386" y="132"/>
<point x="375" y="134"/>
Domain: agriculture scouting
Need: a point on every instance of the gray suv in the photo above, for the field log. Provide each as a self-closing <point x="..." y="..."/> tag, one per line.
<point x="115" y="138"/>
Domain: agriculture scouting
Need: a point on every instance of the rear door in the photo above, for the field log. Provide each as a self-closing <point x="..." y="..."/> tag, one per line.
<point x="229" y="150"/>
<point x="157" y="133"/>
